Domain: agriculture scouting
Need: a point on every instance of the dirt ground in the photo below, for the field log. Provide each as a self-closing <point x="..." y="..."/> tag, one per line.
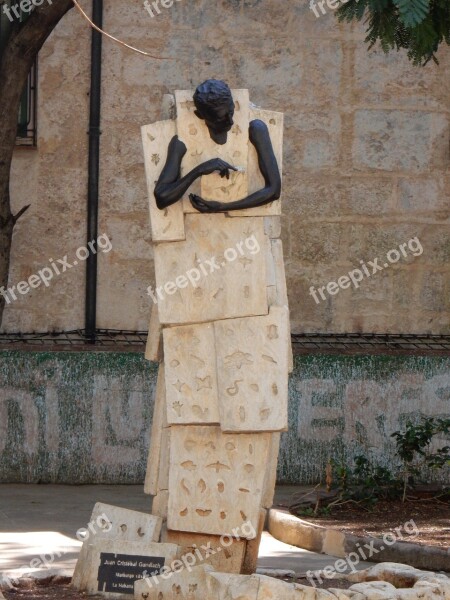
<point x="48" y="591"/>
<point x="431" y="519"/>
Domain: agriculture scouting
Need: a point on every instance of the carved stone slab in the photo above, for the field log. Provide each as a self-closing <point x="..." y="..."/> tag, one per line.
<point x="194" y="133"/>
<point x="183" y="585"/>
<point x="203" y="583"/>
<point x="214" y="374"/>
<point x="127" y="525"/>
<point x="89" y="580"/>
<point x="274" y="122"/>
<point x="226" y="558"/>
<point x="167" y="225"/>
<point x="191" y="380"/>
<point x="216" y="480"/>
<point x="252" y="366"/>
<point x="219" y="272"/>
<point x="114" y="522"/>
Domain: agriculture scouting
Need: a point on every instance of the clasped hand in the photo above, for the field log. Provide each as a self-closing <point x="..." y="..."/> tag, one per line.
<point x="206" y="168"/>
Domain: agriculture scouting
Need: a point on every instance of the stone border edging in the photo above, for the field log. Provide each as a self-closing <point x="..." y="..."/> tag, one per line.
<point x="303" y="534"/>
<point x="50" y="576"/>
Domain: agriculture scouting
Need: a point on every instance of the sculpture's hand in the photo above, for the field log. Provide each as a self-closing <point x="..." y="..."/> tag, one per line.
<point x="216" y="164"/>
<point x="206" y="206"/>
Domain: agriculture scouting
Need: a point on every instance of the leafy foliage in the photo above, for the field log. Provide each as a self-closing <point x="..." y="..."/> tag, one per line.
<point x="367" y="482"/>
<point x="412" y="12"/>
<point x="413" y="446"/>
<point x="419" y="26"/>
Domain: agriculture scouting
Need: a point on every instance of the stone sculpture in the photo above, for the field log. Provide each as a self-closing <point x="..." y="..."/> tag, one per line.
<point x="220" y="331"/>
<point x="220" y="324"/>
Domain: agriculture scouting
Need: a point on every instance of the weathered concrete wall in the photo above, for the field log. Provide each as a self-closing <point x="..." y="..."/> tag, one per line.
<point x="345" y="406"/>
<point x="366" y="161"/>
<point x="85" y="417"/>
<point x="74" y="418"/>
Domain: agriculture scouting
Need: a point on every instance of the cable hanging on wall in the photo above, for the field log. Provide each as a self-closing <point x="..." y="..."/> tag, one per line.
<point x="114" y="39"/>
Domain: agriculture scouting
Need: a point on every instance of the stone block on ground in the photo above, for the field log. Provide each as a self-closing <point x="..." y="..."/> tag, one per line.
<point x="111" y="566"/>
<point x="116" y="523"/>
<point x="408" y="582"/>
<point x="203" y="583"/>
<point x="182" y="584"/>
<point x="375" y="590"/>
<point x="125" y="524"/>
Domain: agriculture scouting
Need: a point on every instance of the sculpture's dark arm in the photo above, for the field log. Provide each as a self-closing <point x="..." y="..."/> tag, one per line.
<point x="260" y="138"/>
<point x="170" y="187"/>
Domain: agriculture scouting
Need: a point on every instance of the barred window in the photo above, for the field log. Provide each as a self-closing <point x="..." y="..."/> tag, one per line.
<point x="26" y="120"/>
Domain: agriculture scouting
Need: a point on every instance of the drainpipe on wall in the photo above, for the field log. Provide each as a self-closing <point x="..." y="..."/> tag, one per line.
<point x="93" y="171"/>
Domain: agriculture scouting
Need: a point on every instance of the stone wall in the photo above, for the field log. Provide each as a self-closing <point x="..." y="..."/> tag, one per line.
<point x="365" y="169"/>
<point x="86" y="417"/>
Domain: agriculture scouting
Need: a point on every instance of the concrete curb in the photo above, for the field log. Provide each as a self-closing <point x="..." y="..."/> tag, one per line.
<point x="297" y="532"/>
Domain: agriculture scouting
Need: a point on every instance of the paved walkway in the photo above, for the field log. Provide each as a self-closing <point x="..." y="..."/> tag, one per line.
<point x="40" y="521"/>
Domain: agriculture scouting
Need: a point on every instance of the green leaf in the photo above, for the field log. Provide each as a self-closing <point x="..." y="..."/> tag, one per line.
<point x="412" y="12"/>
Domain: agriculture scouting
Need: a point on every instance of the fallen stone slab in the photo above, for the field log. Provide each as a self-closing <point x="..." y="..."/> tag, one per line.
<point x="386" y="581"/>
<point x="326" y="540"/>
<point x="400" y="582"/>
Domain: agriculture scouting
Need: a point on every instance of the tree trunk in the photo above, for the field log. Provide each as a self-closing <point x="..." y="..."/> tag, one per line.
<point x="22" y="46"/>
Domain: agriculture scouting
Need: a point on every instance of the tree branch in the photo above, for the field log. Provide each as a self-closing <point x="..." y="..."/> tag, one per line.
<point x="23" y="210"/>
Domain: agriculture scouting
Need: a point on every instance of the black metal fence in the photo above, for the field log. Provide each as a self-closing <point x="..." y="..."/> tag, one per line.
<point x="303" y="343"/>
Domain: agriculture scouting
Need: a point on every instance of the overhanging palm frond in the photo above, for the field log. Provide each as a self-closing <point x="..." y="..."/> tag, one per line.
<point x="418" y="26"/>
